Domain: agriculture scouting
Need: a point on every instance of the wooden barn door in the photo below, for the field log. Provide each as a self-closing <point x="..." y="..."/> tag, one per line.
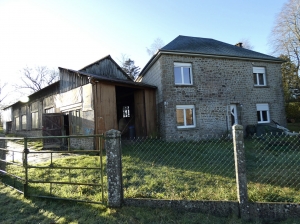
<point x="105" y="108"/>
<point x="52" y="126"/>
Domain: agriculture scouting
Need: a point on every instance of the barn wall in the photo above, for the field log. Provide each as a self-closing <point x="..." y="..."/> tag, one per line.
<point x="107" y="68"/>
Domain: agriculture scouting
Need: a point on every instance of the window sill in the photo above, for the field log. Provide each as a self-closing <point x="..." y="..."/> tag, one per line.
<point x="187" y="128"/>
<point x="261" y="86"/>
<point x="183" y="85"/>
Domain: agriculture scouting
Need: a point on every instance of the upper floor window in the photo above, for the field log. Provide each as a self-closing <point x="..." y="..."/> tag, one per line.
<point x="49" y="110"/>
<point x="259" y="76"/>
<point x="183" y="73"/>
<point x="185" y="116"/>
<point x="263" y="115"/>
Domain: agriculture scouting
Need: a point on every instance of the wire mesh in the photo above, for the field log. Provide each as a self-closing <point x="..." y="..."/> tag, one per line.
<point x="273" y="167"/>
<point x="202" y="169"/>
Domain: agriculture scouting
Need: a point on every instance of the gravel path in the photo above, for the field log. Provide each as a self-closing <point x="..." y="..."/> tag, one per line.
<point x="16" y="154"/>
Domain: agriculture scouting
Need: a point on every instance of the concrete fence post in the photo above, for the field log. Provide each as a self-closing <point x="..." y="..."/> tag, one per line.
<point x="240" y="170"/>
<point x="2" y="153"/>
<point x="114" y="168"/>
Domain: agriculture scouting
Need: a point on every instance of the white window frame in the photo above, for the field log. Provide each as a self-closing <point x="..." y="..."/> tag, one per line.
<point x="184" y="108"/>
<point x="182" y="66"/>
<point x="260" y="108"/>
<point x="256" y="72"/>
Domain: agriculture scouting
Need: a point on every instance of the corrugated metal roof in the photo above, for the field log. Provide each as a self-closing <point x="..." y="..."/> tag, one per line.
<point x="114" y="80"/>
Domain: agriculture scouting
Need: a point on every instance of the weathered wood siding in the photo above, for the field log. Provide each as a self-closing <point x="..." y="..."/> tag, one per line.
<point x="150" y="110"/>
<point x="106" y="68"/>
<point x="105" y="108"/>
<point x="139" y="111"/>
<point x="71" y="80"/>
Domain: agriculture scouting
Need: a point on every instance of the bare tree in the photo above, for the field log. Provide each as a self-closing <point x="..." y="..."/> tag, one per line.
<point x="246" y="44"/>
<point x="155" y="46"/>
<point x="37" y="78"/>
<point x="285" y="36"/>
<point x="3" y="94"/>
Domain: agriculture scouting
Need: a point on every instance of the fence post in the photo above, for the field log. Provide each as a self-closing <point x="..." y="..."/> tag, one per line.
<point x="114" y="168"/>
<point x="240" y="170"/>
<point x="2" y="153"/>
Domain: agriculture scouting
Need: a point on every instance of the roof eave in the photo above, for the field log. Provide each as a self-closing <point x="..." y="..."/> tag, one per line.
<point x="223" y="56"/>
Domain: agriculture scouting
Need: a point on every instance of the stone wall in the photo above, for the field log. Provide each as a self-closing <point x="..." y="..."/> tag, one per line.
<point x="217" y="83"/>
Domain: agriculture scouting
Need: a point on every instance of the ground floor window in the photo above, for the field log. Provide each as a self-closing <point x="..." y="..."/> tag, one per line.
<point x="76" y="122"/>
<point x="34" y="119"/>
<point x="24" y="122"/>
<point x="263" y="115"/>
<point x="17" y="122"/>
<point x="126" y="111"/>
<point x="185" y="116"/>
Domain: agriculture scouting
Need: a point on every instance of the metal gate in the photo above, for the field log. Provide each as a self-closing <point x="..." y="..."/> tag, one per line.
<point x="44" y="176"/>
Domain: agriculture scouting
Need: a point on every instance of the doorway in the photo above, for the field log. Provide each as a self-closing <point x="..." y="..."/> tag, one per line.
<point x="233" y="114"/>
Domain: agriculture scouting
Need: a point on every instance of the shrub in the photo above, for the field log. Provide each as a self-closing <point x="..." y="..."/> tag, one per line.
<point x="293" y="110"/>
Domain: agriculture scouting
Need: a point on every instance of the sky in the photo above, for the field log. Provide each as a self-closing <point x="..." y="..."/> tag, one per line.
<point x="74" y="33"/>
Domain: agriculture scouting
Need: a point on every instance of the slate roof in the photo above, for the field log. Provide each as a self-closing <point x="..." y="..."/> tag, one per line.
<point x="207" y="46"/>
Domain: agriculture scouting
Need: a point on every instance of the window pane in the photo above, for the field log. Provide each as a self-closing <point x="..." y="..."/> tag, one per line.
<point x="189" y="116"/>
<point x="254" y="79"/>
<point x="186" y="76"/>
<point x="264" y="116"/>
<point x="180" y="115"/>
<point x="258" y="116"/>
<point x="261" y="79"/>
<point x="177" y="74"/>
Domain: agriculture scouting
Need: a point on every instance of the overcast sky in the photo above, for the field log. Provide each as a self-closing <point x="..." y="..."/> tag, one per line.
<point x="72" y="34"/>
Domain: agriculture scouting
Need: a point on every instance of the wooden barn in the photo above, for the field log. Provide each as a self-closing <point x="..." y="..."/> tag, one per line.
<point x="92" y="100"/>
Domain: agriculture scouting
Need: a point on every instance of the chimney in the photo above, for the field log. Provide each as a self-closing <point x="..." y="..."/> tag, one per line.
<point x="239" y="44"/>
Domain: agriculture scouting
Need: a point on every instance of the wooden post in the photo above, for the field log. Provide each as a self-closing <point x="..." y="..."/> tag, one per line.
<point x="2" y="153"/>
<point x="240" y="169"/>
<point x="114" y="168"/>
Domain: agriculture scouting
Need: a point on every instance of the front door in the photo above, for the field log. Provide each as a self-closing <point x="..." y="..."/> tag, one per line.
<point x="52" y="126"/>
<point x="233" y="114"/>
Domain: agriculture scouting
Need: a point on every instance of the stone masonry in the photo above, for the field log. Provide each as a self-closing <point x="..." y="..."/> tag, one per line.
<point x="217" y="83"/>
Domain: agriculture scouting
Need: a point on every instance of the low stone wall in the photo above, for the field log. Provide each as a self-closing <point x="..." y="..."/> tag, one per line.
<point x="256" y="211"/>
<point x="84" y="143"/>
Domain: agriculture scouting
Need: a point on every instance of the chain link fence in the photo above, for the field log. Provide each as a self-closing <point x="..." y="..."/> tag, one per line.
<point x="273" y="167"/>
<point x="202" y="169"/>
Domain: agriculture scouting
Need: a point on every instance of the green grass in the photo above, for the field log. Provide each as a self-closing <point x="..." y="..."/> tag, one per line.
<point x="164" y="170"/>
<point x="18" y="210"/>
<point x="167" y="170"/>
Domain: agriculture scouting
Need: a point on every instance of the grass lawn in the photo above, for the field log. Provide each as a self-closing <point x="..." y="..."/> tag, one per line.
<point x="159" y="170"/>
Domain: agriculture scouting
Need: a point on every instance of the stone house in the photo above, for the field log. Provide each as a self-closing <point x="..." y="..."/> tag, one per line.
<point x="204" y="86"/>
<point x="92" y="100"/>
